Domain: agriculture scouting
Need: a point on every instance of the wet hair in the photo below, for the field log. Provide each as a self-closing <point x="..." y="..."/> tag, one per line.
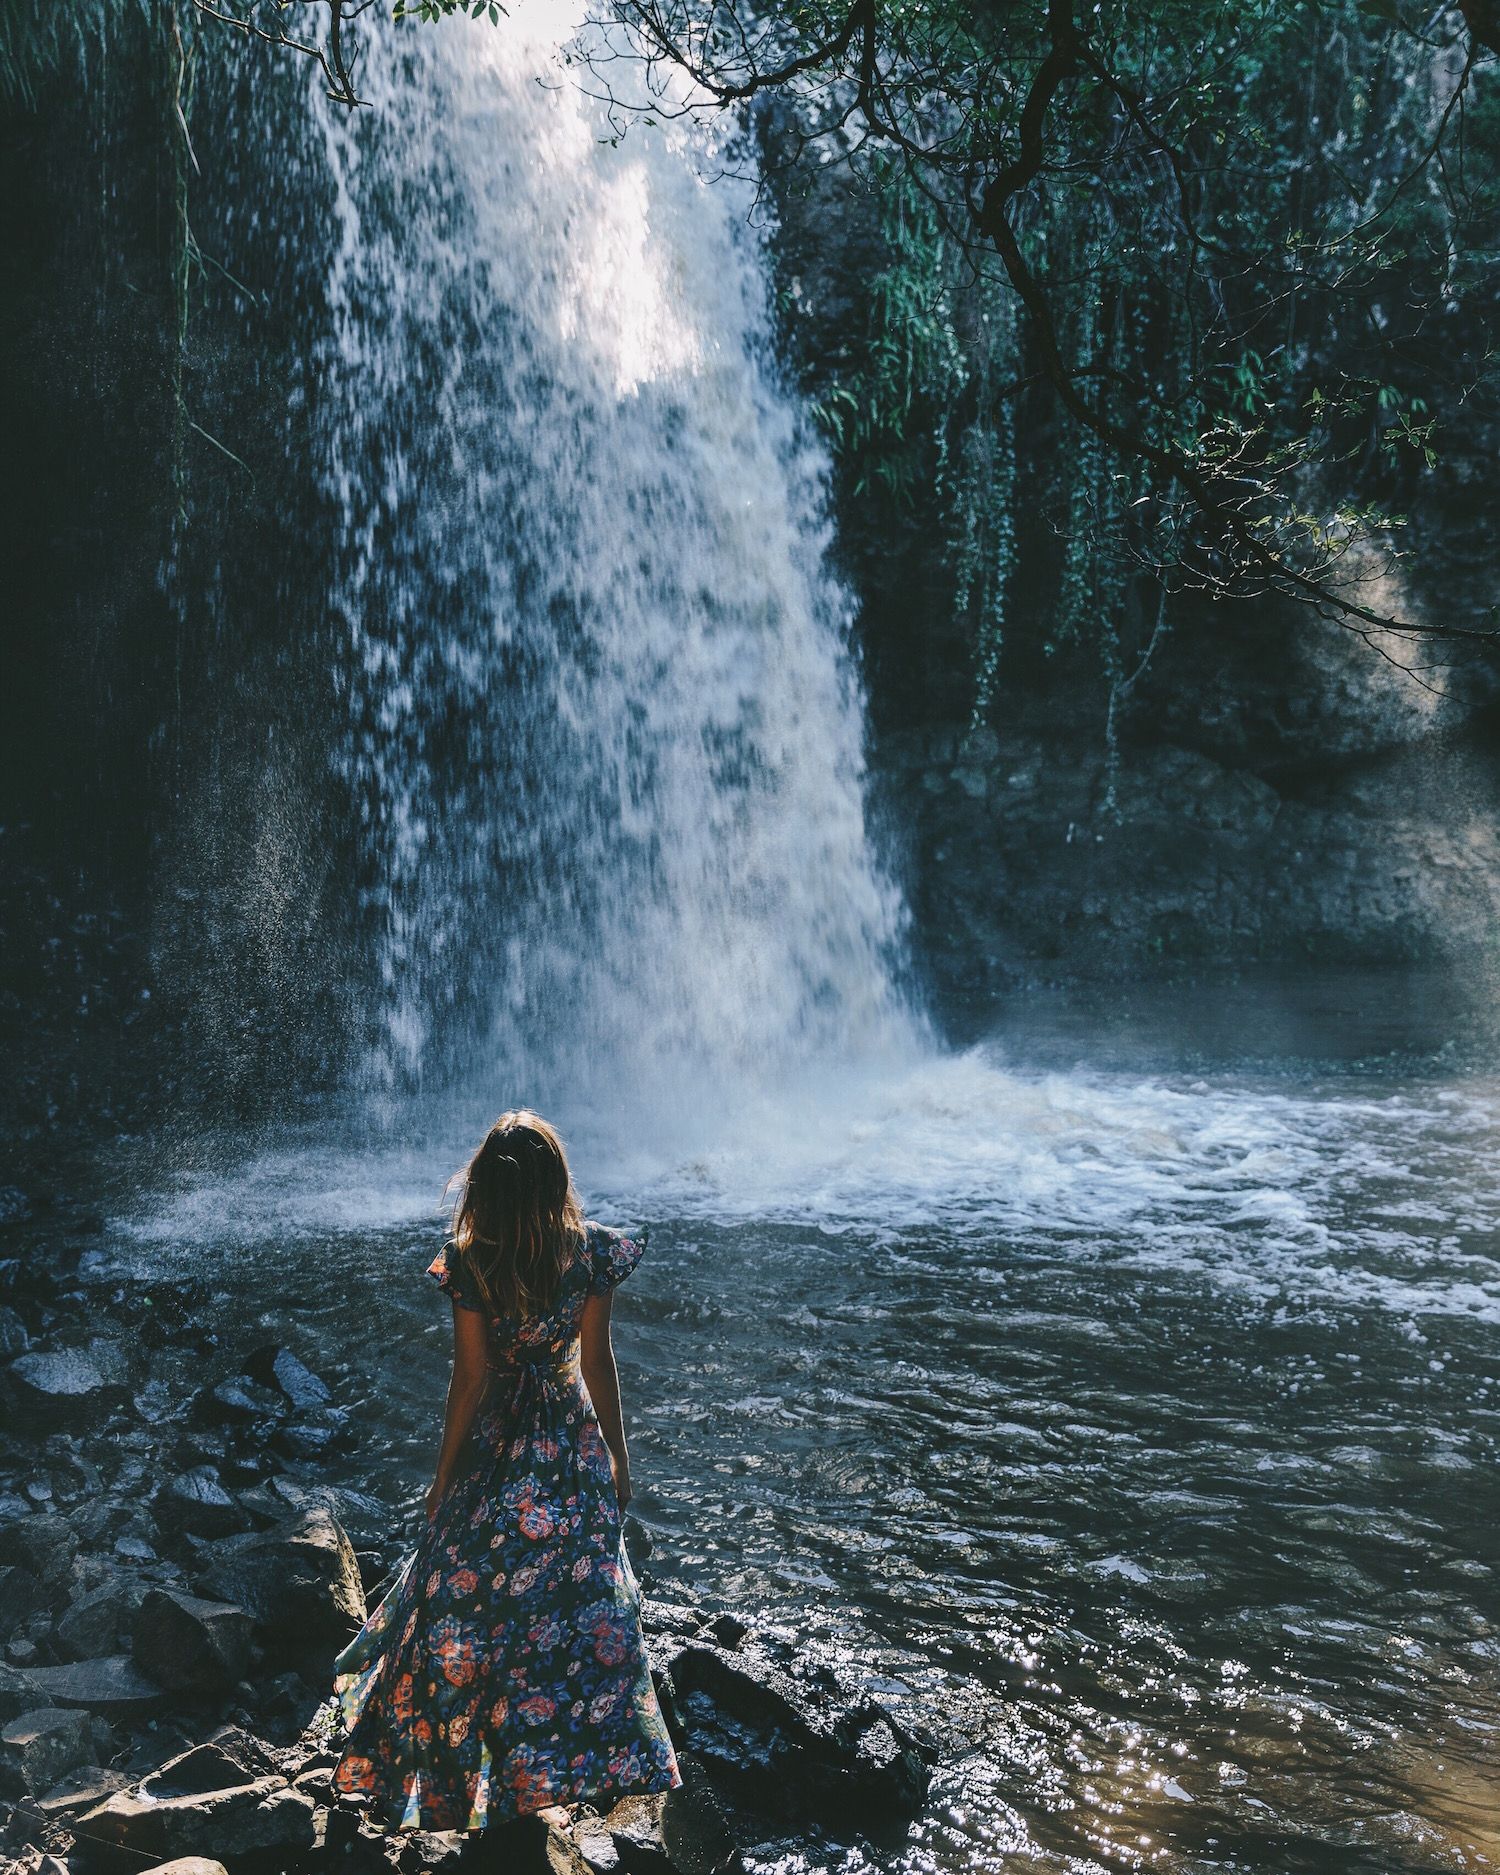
<point x="517" y="1221"/>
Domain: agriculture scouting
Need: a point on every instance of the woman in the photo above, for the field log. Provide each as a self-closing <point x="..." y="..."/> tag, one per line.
<point x="504" y="1674"/>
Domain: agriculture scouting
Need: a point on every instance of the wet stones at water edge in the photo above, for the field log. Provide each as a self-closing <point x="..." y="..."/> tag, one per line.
<point x="176" y="1576"/>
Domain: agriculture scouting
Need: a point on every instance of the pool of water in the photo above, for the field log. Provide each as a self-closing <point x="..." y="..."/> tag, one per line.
<point x="1133" y="1433"/>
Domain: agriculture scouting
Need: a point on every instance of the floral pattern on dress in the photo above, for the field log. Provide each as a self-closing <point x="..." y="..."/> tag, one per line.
<point x="505" y="1669"/>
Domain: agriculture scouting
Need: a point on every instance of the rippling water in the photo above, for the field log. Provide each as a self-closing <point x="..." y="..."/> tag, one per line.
<point x="1135" y="1435"/>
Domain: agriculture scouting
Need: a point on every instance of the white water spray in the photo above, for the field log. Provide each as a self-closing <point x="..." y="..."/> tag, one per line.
<point x="606" y="730"/>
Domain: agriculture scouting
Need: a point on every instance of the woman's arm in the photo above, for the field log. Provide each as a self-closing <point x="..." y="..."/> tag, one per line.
<point x="466" y="1388"/>
<point x="601" y="1377"/>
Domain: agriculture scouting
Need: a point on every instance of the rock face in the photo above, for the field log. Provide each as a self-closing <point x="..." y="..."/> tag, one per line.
<point x="300" y="1581"/>
<point x="1030" y="858"/>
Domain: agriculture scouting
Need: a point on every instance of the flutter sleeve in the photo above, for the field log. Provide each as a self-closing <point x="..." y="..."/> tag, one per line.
<point x="615" y="1255"/>
<point x="453" y="1283"/>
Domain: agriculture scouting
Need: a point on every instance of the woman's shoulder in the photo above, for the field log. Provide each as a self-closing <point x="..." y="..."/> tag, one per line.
<point x="613" y="1254"/>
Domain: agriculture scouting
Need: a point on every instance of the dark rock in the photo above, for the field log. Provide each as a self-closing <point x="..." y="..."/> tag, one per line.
<point x="421" y="1849"/>
<point x="112" y="1358"/>
<point x="191" y="1645"/>
<point x="728" y="1630"/>
<point x="195" y="1503"/>
<point x="38" y="1748"/>
<point x="300" y="1580"/>
<point x="781" y="1746"/>
<point x="303" y="1440"/>
<point x="202" y="1803"/>
<point x="695" y="1835"/>
<point x="96" y="1622"/>
<point x="112" y="1685"/>
<point x="80" y="1790"/>
<point x="44" y="1546"/>
<point x="15" y="1206"/>
<point x="242" y="1401"/>
<point x="20" y="1598"/>
<point x="280" y="1368"/>
<point x="22" y="1651"/>
<point x="14" y="1339"/>
<point x="62" y="1385"/>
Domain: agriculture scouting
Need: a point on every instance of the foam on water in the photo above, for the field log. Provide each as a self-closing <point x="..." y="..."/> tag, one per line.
<point x="1388" y="1203"/>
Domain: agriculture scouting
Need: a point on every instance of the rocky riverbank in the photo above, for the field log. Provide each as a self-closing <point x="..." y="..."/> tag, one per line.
<point x="179" y="1562"/>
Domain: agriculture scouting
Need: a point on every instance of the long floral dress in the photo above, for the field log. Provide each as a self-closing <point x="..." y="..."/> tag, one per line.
<point x="505" y="1670"/>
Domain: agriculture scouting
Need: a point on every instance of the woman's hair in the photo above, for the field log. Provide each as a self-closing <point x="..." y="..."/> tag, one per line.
<point x="518" y="1222"/>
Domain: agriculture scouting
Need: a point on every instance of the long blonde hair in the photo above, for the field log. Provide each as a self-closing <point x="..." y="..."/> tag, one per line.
<point x="517" y="1222"/>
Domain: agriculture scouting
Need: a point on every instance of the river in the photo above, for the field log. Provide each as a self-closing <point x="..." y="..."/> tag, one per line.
<point x="1131" y="1431"/>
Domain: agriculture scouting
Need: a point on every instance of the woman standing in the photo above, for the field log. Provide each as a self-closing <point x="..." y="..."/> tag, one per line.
<point x="504" y="1673"/>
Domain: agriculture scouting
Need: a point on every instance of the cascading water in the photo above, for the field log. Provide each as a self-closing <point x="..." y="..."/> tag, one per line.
<point x="605" y="728"/>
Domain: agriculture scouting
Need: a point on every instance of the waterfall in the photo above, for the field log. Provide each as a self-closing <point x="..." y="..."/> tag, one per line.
<point x="604" y="720"/>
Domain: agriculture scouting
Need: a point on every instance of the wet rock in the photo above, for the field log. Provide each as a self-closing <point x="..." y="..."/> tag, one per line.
<point x="195" y="1503"/>
<point x="695" y="1835"/>
<point x="62" y="1385"/>
<point x="242" y="1401"/>
<point x="38" y="1748"/>
<point x="778" y="1745"/>
<point x="97" y="1621"/>
<point x="15" y="1206"/>
<point x="20" y="1598"/>
<point x="191" y="1645"/>
<point x="112" y="1359"/>
<point x="300" y="1580"/>
<point x="42" y="1544"/>
<point x="111" y="1685"/>
<point x="203" y="1803"/>
<point x="280" y="1368"/>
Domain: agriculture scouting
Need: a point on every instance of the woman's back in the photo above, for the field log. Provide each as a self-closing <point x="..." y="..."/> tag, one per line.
<point x="505" y="1671"/>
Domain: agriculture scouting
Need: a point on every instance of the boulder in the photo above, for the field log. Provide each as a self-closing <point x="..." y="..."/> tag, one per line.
<point x="114" y="1685"/>
<point x="20" y="1598"/>
<point x="42" y="1544"/>
<point x="191" y="1645"/>
<point x="188" y="1865"/>
<point x="782" y="1746"/>
<point x="204" y="1804"/>
<point x="38" y="1748"/>
<point x="280" y="1368"/>
<point x="80" y="1790"/>
<point x="695" y="1837"/>
<point x="195" y="1503"/>
<point x="242" y="1401"/>
<point x="63" y="1387"/>
<point x="300" y="1580"/>
<point x="96" y="1622"/>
